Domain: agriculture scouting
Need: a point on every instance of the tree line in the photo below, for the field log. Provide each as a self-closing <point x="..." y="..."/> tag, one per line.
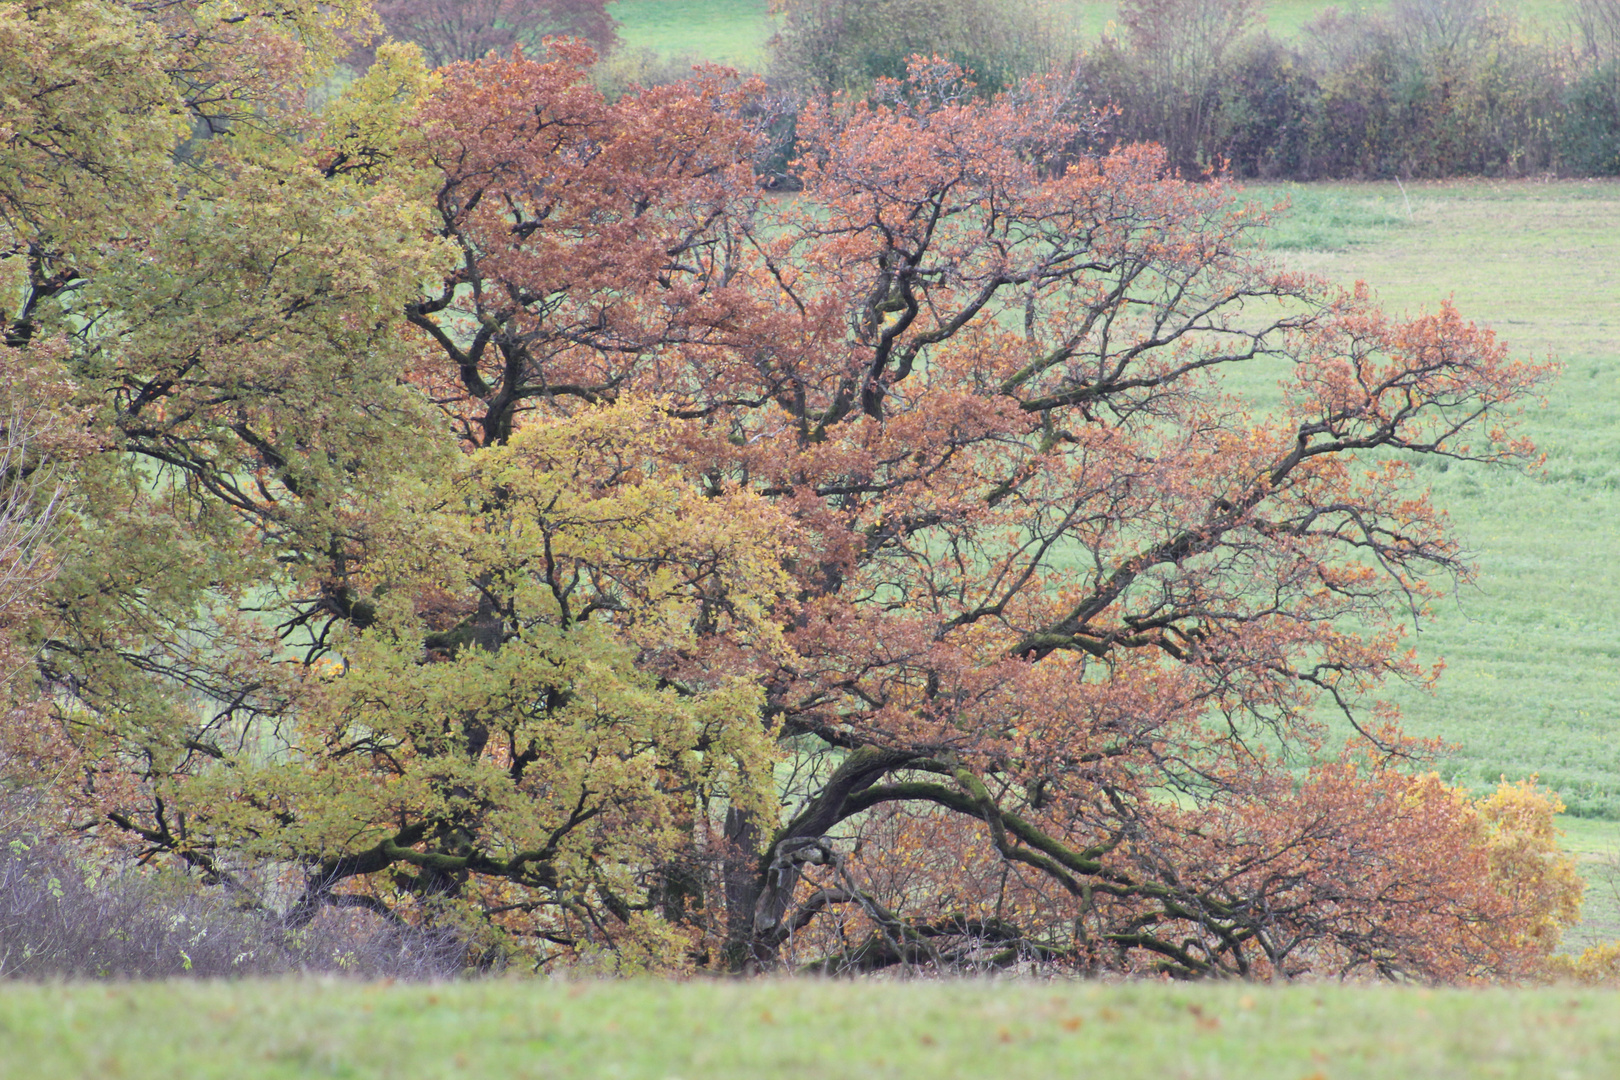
<point x="1412" y="89"/>
<point x="471" y="504"/>
<point x="1415" y="88"/>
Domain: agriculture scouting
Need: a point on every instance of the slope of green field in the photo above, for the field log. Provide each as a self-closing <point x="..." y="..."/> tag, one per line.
<point x="808" y="1028"/>
<point x="1284" y="18"/>
<point x="1533" y="646"/>
<point x="723" y="31"/>
<point x="1596" y="844"/>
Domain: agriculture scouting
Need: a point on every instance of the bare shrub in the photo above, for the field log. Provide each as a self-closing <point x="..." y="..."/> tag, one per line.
<point x="63" y="918"/>
<point x="1597" y="24"/>
<point x="448" y="31"/>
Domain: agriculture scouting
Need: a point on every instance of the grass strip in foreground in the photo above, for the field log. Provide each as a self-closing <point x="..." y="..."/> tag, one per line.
<point x="716" y="1030"/>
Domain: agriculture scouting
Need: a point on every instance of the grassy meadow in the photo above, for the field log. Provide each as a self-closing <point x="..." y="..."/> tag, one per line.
<point x="1532" y="647"/>
<point x="723" y="31"/>
<point x="1596" y="844"/>
<point x="807" y="1028"/>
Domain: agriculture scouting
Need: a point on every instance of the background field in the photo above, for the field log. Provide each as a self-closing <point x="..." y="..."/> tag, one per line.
<point x="1533" y="648"/>
<point x="734" y="31"/>
<point x="869" y="1029"/>
<point x="1532" y="684"/>
<point x="724" y="31"/>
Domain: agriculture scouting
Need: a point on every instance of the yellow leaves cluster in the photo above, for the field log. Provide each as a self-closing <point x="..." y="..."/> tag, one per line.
<point x="1596" y="965"/>
<point x="612" y="702"/>
<point x="1526" y="864"/>
<point x="96" y="97"/>
<point x="595" y="498"/>
<point x="362" y="131"/>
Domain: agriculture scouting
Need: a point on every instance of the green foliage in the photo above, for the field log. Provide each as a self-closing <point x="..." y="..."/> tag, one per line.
<point x="71" y="157"/>
<point x="1590" y="137"/>
<point x="246" y="398"/>
<point x="822" y="48"/>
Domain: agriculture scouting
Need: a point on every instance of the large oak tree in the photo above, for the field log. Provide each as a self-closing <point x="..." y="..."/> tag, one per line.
<point x="883" y="575"/>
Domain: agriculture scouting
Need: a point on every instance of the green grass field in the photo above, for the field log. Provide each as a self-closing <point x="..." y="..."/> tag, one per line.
<point x="724" y="31"/>
<point x="809" y="1028"/>
<point x="1597" y="845"/>
<point x="1532" y="685"/>
<point x="1533" y="648"/>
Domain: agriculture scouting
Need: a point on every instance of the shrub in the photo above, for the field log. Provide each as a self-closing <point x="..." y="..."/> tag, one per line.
<point x="1589" y="140"/>
<point x="827" y="46"/>
<point x="1266" y="103"/>
<point x="65" y="916"/>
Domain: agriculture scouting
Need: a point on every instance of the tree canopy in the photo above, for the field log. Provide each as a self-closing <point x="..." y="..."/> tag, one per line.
<point x="489" y="508"/>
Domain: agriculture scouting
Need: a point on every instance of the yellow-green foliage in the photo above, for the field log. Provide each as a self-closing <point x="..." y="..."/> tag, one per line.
<point x="1597" y="965"/>
<point x="95" y="95"/>
<point x="585" y="768"/>
<point x="1526" y="861"/>
<point x="88" y="120"/>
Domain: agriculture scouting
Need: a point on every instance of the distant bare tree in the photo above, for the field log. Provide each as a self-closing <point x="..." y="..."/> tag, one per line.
<point x="1441" y="30"/>
<point x="448" y="31"/>
<point x="1180" y="50"/>
<point x="1598" y="23"/>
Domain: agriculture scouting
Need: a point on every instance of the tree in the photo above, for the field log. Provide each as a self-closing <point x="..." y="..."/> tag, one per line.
<point x="1598" y="24"/>
<point x="38" y="443"/>
<point x="1172" y="72"/>
<point x="451" y="31"/>
<point x="687" y="577"/>
<point x="170" y="302"/>
<point x="241" y="358"/>
<point x="823" y="48"/>
<point x="1046" y="573"/>
<point x="1590" y="135"/>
